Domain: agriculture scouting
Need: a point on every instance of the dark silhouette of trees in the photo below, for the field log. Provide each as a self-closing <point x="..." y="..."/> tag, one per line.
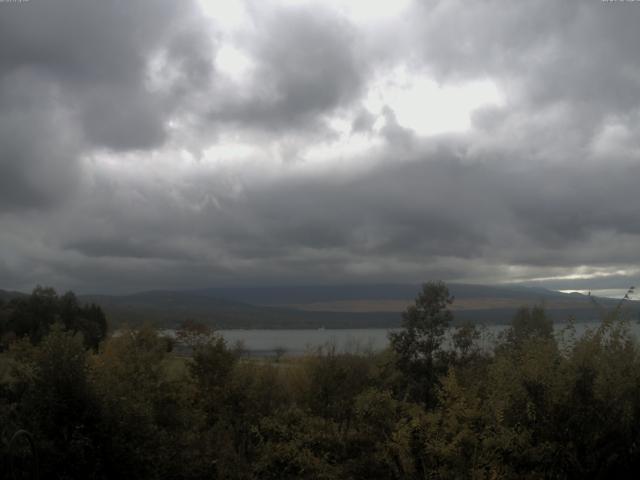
<point x="33" y="316"/>
<point x="527" y="324"/>
<point x="418" y="346"/>
<point x="537" y="404"/>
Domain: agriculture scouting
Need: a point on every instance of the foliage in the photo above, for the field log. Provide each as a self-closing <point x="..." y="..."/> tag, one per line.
<point x="56" y="402"/>
<point x="434" y="405"/>
<point x="418" y="346"/>
<point x="33" y="316"/>
<point x="194" y="334"/>
<point x="528" y="323"/>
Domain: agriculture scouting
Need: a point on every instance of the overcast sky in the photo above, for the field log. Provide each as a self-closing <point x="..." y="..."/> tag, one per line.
<point x="176" y="144"/>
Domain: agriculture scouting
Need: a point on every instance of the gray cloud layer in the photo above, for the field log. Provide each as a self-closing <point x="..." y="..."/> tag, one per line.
<point x="110" y="114"/>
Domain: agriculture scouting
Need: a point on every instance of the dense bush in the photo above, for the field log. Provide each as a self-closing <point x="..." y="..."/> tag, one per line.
<point x="32" y="317"/>
<point x="434" y="405"/>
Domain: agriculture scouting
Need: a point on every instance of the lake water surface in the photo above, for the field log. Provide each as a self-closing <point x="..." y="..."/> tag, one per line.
<point x="298" y="341"/>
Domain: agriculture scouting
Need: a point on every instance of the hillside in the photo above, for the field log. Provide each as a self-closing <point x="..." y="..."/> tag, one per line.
<point x="353" y="306"/>
<point x="168" y="308"/>
<point x="6" y="295"/>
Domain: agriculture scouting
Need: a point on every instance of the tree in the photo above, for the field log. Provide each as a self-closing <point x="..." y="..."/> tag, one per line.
<point x="193" y="334"/>
<point x="527" y="324"/>
<point x="333" y="381"/>
<point x="57" y="403"/>
<point x="143" y="411"/>
<point x="86" y="319"/>
<point x="33" y="316"/>
<point x="465" y="340"/>
<point x="418" y="346"/>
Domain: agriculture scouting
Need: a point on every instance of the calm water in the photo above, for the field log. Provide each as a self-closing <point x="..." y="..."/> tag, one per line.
<point x="267" y="342"/>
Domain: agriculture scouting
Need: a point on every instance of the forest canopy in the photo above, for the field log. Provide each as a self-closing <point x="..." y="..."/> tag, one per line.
<point x="540" y="403"/>
<point x="32" y="316"/>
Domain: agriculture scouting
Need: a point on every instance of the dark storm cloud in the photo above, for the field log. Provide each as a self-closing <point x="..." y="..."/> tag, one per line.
<point x="397" y="214"/>
<point x="73" y="76"/>
<point x="309" y="62"/>
<point x="541" y="187"/>
<point x="396" y="222"/>
<point x="35" y="145"/>
<point x="577" y="54"/>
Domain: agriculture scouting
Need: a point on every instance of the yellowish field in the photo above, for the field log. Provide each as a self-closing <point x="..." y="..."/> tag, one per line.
<point x="365" y="306"/>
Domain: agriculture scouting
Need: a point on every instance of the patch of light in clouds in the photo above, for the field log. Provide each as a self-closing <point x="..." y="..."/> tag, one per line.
<point x="230" y="14"/>
<point x="426" y="107"/>
<point x="233" y="63"/>
<point x="367" y="10"/>
<point x="350" y="148"/>
<point x="589" y="273"/>
<point x="609" y="293"/>
<point x="229" y="151"/>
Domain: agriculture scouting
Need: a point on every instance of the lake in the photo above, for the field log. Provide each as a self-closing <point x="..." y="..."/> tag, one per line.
<point x="297" y="341"/>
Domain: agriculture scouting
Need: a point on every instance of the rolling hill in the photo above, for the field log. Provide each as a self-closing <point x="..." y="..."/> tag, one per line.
<point x="346" y="306"/>
<point x="352" y="306"/>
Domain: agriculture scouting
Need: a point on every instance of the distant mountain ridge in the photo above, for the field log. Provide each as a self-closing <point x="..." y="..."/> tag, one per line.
<point x="7" y="295"/>
<point x="279" y="295"/>
<point x="338" y="306"/>
<point x="333" y="306"/>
